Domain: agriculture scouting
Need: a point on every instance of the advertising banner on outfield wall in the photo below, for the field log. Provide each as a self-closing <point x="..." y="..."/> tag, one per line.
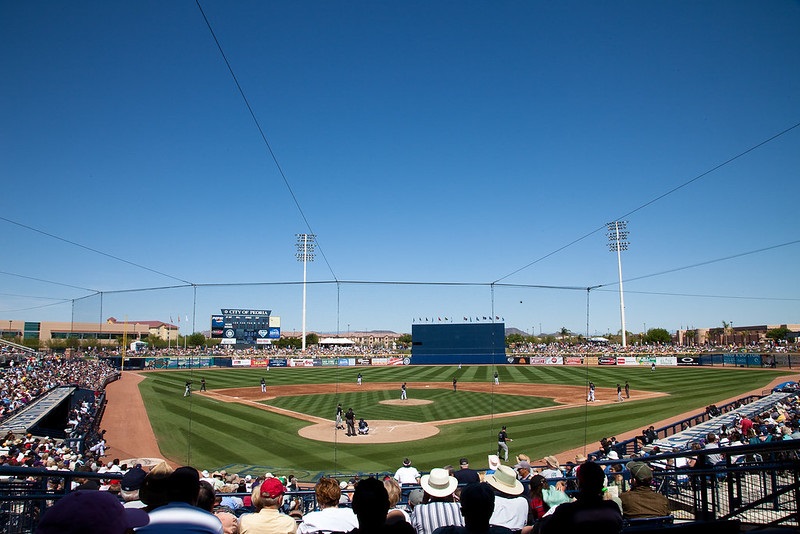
<point x="259" y="362"/>
<point x="606" y="360"/>
<point x="380" y="361"/>
<point x="573" y="360"/>
<point x="519" y="360"/>
<point x="688" y="360"/>
<point x="330" y="362"/>
<point x="666" y="360"/>
<point x="278" y="362"/>
<point x="345" y="362"/>
<point x="547" y="360"/>
<point x="301" y="362"/>
<point x="240" y="362"/>
<point x="399" y="361"/>
<point x="362" y="361"/>
<point x="627" y="360"/>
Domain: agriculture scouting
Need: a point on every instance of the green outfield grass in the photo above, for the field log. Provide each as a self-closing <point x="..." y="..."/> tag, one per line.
<point x="210" y="434"/>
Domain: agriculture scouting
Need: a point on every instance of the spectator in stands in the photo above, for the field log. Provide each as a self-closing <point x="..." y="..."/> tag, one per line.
<point x="712" y="443"/>
<point x="267" y="498"/>
<point x="538" y="507"/>
<point x="90" y="511"/>
<point x="589" y="513"/>
<point x="394" y="491"/>
<point x="371" y="505"/>
<point x="642" y="500"/>
<point x="130" y="485"/>
<point x="329" y="517"/>
<point x="494" y="463"/>
<point x="477" y="507"/>
<point x="552" y="468"/>
<point x="408" y="474"/>
<point x="181" y="514"/>
<point x="153" y="492"/>
<point x="209" y="501"/>
<point x="438" y="508"/>
<point x="617" y="479"/>
<point x="510" y="508"/>
<point x="465" y="475"/>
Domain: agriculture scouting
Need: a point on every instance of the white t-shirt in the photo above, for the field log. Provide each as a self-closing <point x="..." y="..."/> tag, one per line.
<point x="329" y="519"/>
<point x="407" y="475"/>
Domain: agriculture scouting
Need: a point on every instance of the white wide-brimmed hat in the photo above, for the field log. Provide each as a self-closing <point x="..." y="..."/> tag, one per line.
<point x="494" y="461"/>
<point x="505" y="480"/>
<point x="438" y="483"/>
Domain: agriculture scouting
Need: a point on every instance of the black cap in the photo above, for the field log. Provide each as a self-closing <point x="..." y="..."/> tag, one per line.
<point x="132" y="480"/>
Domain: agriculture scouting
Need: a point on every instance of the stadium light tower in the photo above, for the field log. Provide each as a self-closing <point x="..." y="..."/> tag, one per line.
<point x="305" y="253"/>
<point x="617" y="242"/>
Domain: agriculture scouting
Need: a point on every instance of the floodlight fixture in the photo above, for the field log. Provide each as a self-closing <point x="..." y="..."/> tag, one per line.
<point x="305" y="253"/>
<point x="617" y="242"/>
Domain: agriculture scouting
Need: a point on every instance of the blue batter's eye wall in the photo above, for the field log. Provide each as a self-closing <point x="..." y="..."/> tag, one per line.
<point x="458" y="343"/>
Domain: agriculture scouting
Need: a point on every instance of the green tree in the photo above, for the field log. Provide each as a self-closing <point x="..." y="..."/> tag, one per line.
<point x="312" y="339"/>
<point x="155" y="342"/>
<point x="778" y="334"/>
<point x="658" y="335"/>
<point x="289" y="342"/>
<point x="196" y="339"/>
<point x="514" y="339"/>
<point x="691" y="336"/>
<point x="405" y="339"/>
<point x="32" y="343"/>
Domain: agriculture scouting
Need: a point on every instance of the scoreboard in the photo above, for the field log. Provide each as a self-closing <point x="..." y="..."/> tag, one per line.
<point x="245" y="328"/>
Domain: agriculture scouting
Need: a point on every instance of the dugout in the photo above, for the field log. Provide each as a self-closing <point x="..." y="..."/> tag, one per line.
<point x="452" y="344"/>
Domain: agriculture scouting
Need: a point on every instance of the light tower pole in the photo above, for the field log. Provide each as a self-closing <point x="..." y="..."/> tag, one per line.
<point x="305" y="253"/>
<point x="617" y="242"/>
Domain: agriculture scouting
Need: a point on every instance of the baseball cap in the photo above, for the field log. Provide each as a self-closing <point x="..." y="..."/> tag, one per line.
<point x="272" y="488"/>
<point x="132" y="480"/>
<point x="523" y="464"/>
<point x="463" y="461"/>
<point x="640" y="471"/>
<point x="91" y="511"/>
<point x="406" y="462"/>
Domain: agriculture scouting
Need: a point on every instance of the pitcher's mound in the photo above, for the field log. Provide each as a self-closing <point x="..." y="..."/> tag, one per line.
<point x="407" y="402"/>
<point x="379" y="432"/>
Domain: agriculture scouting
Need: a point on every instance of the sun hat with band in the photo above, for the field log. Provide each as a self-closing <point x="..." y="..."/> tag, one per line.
<point x="438" y="483"/>
<point x="505" y="480"/>
<point x="552" y="461"/>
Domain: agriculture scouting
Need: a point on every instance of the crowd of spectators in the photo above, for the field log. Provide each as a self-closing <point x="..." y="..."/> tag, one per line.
<point x="28" y="378"/>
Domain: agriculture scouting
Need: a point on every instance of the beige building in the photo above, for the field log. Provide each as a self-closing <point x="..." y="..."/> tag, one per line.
<point x="106" y="333"/>
<point x="733" y="335"/>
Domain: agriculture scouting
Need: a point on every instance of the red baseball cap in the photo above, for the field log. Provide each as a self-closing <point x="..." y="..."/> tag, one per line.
<point x="272" y="488"/>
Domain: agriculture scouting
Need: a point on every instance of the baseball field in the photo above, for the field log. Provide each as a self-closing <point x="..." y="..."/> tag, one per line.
<point x="290" y="428"/>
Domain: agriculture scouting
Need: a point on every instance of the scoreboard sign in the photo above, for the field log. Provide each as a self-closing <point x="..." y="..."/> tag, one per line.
<point x="242" y="327"/>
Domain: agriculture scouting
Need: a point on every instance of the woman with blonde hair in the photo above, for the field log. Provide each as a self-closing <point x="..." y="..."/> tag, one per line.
<point x="395" y="514"/>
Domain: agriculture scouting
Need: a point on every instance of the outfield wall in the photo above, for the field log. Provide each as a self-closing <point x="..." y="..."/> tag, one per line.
<point x="644" y="360"/>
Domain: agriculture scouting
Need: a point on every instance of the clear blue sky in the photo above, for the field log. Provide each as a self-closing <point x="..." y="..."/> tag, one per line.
<point x="431" y="142"/>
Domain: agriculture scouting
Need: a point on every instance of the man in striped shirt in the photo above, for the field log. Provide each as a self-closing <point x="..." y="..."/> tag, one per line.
<point x="438" y="508"/>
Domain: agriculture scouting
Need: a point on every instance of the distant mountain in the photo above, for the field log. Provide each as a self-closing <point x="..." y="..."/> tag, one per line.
<point x="513" y="330"/>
